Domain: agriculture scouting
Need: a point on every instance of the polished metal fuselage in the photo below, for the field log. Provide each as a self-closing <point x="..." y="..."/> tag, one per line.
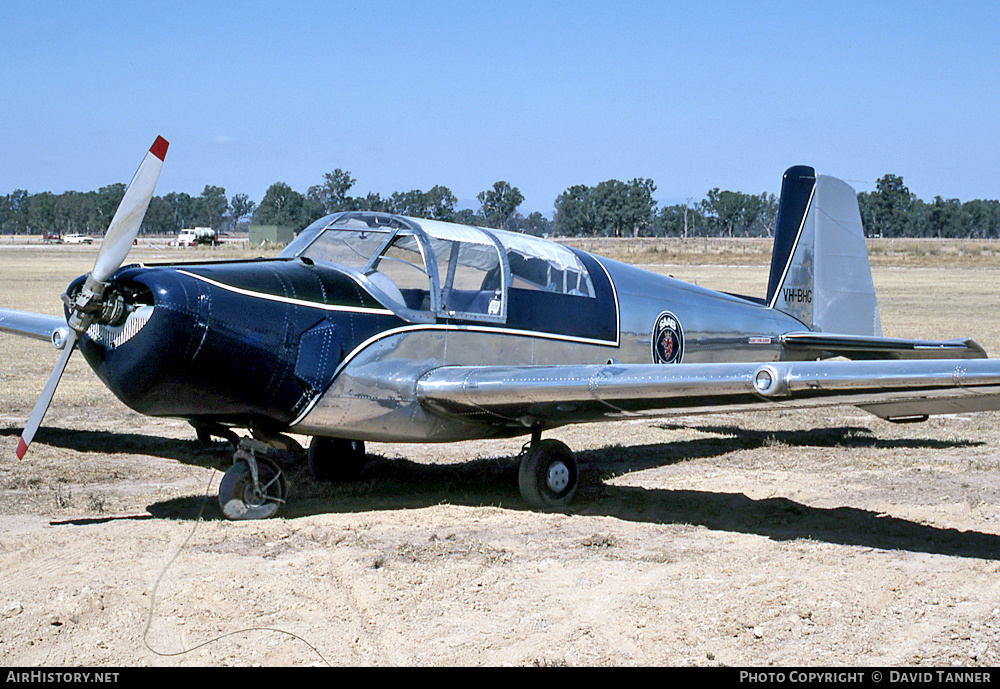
<point x="374" y="392"/>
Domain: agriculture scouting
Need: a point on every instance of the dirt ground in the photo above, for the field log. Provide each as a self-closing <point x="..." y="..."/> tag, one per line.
<point x="818" y="538"/>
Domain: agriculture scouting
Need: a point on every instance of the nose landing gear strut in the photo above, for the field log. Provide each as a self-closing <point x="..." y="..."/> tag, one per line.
<point x="254" y="487"/>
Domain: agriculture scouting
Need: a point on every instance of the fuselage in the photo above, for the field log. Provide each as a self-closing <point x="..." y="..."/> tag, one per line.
<point x="331" y="337"/>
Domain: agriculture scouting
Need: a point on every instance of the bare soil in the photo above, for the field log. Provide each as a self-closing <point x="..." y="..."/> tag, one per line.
<point x="823" y="537"/>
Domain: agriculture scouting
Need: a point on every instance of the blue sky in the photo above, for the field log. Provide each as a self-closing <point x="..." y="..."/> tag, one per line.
<point x="545" y="95"/>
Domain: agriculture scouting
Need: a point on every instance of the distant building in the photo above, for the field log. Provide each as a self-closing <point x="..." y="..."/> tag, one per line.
<point x="270" y="234"/>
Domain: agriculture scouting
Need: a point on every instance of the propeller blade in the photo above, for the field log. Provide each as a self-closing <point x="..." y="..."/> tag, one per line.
<point x="42" y="405"/>
<point x="125" y="225"/>
<point x="117" y="242"/>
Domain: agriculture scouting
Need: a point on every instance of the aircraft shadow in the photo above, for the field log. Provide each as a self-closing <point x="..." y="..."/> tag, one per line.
<point x="616" y="460"/>
<point x="113" y="442"/>
<point x="402" y="484"/>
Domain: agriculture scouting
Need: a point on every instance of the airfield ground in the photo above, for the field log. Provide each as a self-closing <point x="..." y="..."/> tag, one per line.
<point x="822" y="537"/>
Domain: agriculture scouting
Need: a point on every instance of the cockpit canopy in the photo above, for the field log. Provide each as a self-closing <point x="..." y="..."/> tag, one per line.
<point x="427" y="269"/>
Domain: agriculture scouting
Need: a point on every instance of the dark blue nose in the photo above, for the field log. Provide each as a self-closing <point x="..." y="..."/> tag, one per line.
<point x="224" y="343"/>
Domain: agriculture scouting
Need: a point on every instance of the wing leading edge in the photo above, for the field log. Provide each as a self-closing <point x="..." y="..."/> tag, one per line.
<point x="898" y="390"/>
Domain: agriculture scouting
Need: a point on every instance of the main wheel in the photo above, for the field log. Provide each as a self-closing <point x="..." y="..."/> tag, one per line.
<point x="240" y="500"/>
<point x="548" y="474"/>
<point x="336" y="459"/>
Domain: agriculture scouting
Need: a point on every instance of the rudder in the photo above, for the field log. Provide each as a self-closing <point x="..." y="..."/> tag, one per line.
<point x="819" y="267"/>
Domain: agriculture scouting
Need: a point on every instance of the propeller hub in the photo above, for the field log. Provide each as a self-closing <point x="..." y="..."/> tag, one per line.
<point x="87" y="304"/>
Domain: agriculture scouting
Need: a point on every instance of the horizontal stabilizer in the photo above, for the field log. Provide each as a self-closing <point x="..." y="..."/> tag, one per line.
<point x="823" y="345"/>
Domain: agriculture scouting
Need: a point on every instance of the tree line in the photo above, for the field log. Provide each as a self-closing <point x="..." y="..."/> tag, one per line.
<point x="610" y="208"/>
<point x="893" y="211"/>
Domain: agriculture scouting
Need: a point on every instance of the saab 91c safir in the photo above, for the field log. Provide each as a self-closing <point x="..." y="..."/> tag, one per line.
<point x="376" y="327"/>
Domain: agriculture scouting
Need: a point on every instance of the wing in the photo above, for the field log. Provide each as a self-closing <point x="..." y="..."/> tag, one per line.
<point x="35" y="325"/>
<point x="896" y="390"/>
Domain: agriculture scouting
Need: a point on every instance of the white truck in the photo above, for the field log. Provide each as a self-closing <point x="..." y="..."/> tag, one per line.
<point x="197" y="235"/>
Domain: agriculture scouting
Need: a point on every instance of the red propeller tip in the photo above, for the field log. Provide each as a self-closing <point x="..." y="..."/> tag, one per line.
<point x="159" y="147"/>
<point x="22" y="447"/>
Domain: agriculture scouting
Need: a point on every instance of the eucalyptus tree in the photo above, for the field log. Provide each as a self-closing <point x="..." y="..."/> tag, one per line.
<point x="574" y="212"/>
<point x="211" y="206"/>
<point x="892" y="205"/>
<point x="499" y="203"/>
<point x="332" y="195"/>
<point x="240" y="207"/>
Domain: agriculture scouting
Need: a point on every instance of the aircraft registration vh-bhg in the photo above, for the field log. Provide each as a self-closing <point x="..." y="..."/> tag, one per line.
<point x="381" y="328"/>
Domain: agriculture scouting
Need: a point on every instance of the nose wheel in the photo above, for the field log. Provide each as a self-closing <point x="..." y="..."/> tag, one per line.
<point x="253" y="488"/>
<point x="548" y="474"/>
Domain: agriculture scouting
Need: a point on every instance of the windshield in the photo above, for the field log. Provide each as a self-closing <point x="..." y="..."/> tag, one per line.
<point x="349" y="241"/>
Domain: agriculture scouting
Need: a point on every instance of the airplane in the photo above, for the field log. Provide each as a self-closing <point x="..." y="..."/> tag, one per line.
<point x="371" y="327"/>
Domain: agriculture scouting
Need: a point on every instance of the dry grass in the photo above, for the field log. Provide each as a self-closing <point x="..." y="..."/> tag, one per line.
<point x="41" y="272"/>
<point x="757" y="251"/>
<point x="670" y="250"/>
<point x="983" y="253"/>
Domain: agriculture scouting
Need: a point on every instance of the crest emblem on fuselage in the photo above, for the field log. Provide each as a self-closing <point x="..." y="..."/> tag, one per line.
<point x="668" y="339"/>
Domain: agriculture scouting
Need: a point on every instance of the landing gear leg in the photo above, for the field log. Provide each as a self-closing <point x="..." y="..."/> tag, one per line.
<point x="254" y="487"/>
<point x="548" y="474"/>
<point x="206" y="431"/>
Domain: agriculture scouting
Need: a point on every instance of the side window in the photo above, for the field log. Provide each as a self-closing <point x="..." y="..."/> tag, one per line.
<point x="528" y="273"/>
<point x="539" y="265"/>
<point x="470" y="278"/>
<point x="400" y="273"/>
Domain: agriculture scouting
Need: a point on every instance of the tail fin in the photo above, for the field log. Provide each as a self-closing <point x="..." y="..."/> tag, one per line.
<point x="819" y="266"/>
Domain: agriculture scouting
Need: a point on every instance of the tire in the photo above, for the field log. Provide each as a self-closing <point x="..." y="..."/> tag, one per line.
<point x="336" y="459"/>
<point x="548" y="475"/>
<point x="240" y="501"/>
